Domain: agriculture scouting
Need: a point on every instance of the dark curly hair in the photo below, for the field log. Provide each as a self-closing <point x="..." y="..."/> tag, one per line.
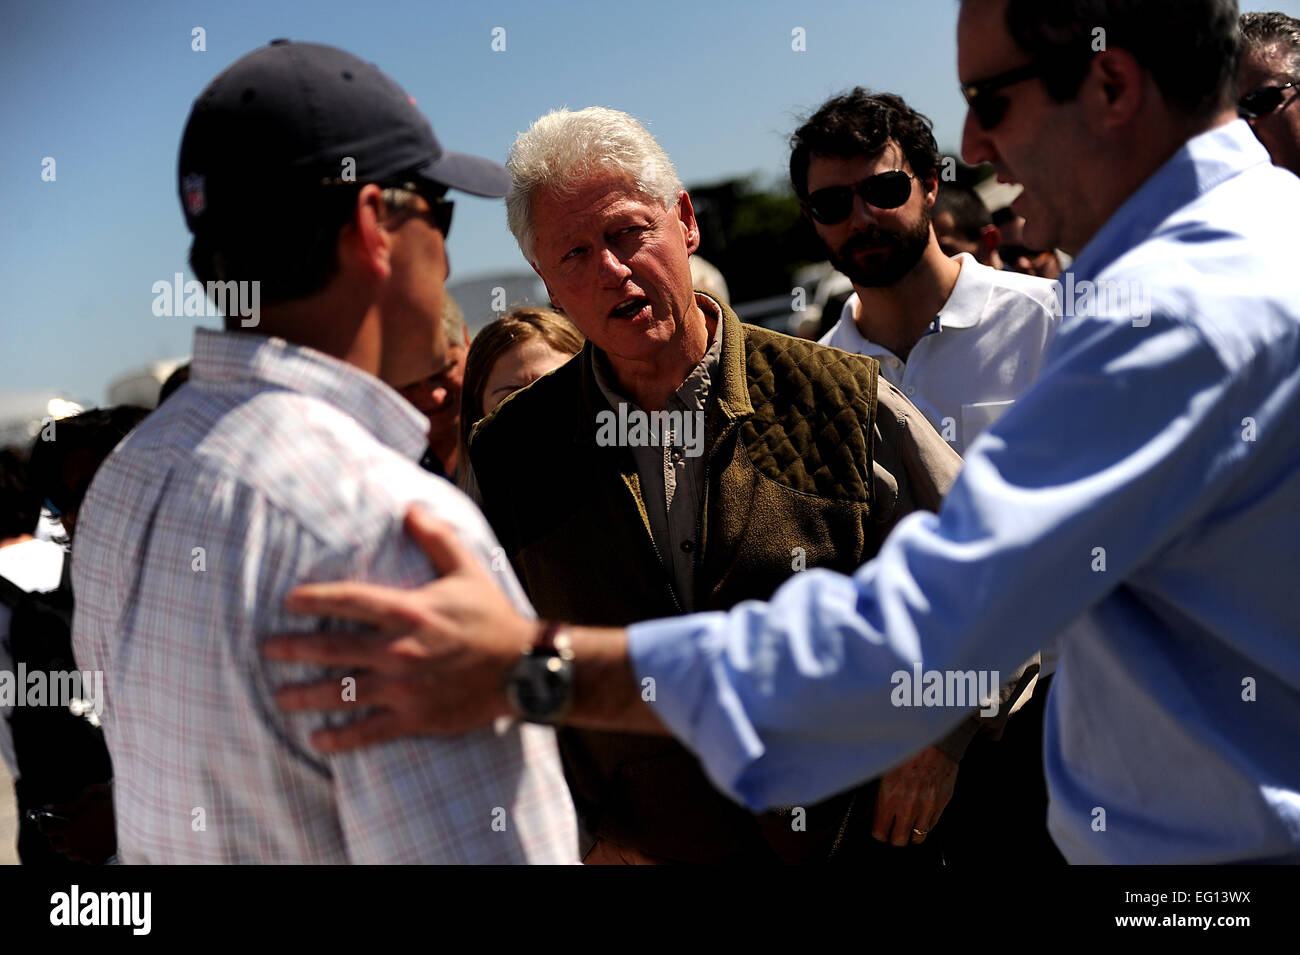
<point x="861" y="123"/>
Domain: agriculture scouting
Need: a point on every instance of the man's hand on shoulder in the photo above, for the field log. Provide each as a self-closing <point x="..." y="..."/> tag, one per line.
<point x="435" y="660"/>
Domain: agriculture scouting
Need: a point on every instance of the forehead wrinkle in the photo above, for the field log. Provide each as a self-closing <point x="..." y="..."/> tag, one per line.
<point x="611" y="198"/>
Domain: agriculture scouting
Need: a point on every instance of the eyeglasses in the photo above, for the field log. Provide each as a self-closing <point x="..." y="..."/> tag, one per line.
<point x="989" y="109"/>
<point x="886" y="190"/>
<point x="1262" y="101"/>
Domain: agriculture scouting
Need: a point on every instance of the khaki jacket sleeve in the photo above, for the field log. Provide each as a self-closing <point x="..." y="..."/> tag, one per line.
<point x="914" y="466"/>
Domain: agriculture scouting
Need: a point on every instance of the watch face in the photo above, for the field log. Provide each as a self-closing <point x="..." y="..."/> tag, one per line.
<point x="540" y="685"/>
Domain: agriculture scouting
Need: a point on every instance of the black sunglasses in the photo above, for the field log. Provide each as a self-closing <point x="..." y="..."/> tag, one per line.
<point x="988" y="108"/>
<point x="886" y="190"/>
<point x="1262" y="101"/>
<point x="440" y="214"/>
<point x="440" y="209"/>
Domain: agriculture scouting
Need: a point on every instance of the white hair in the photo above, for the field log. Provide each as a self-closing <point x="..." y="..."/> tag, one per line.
<point x="563" y="149"/>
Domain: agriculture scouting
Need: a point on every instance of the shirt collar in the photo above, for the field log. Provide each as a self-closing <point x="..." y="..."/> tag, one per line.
<point x="855" y="341"/>
<point x="238" y="357"/>
<point x="1204" y="162"/>
<point x="969" y="296"/>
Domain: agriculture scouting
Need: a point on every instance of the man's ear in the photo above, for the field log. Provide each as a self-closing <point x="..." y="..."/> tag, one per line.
<point x="549" y="293"/>
<point x="931" y="186"/>
<point x="991" y="238"/>
<point x="364" y="245"/>
<point x="1114" y="90"/>
<point x="691" y="228"/>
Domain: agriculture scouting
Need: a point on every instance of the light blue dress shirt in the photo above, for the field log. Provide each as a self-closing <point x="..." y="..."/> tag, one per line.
<point x="1147" y="485"/>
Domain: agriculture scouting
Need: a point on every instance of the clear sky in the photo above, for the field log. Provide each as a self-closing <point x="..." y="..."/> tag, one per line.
<point x="104" y="87"/>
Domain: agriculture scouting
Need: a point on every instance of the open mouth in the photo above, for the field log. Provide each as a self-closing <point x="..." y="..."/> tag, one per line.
<point x="629" y="307"/>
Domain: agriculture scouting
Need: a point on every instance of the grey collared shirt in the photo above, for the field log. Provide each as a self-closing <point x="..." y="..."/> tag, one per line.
<point x="670" y="457"/>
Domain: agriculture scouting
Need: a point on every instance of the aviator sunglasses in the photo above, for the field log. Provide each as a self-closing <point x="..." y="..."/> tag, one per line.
<point x="886" y="190"/>
<point x="1262" y="101"/>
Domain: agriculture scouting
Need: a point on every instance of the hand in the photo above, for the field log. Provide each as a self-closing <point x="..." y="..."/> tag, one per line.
<point x="436" y="660"/>
<point x="88" y="835"/>
<point x="914" y="796"/>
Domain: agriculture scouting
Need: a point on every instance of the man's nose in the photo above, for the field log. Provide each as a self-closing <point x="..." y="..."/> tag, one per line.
<point x="613" y="270"/>
<point x="863" y="214"/>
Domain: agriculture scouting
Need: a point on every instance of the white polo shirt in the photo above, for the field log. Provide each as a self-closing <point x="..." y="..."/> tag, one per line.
<point x="982" y="351"/>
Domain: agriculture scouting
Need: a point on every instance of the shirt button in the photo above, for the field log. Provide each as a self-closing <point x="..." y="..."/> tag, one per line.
<point x="688" y="546"/>
<point x="910" y="390"/>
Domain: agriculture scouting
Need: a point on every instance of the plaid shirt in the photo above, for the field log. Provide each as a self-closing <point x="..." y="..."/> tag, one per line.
<point x="278" y="465"/>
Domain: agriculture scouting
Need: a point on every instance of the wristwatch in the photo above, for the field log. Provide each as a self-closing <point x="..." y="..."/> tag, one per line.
<point x="539" y="686"/>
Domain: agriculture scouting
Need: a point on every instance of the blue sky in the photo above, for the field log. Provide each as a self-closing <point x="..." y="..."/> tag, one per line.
<point x="104" y="87"/>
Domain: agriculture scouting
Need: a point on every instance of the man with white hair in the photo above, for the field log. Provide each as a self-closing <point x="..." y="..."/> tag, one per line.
<point x="682" y="461"/>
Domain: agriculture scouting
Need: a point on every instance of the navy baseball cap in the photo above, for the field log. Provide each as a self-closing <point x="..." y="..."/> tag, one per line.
<point x="292" y="117"/>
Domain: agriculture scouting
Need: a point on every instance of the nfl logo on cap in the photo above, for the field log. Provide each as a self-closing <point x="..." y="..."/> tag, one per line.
<point x="192" y="186"/>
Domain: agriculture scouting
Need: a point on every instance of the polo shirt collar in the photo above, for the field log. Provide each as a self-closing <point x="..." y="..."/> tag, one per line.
<point x="970" y="296"/>
<point x="241" y="358"/>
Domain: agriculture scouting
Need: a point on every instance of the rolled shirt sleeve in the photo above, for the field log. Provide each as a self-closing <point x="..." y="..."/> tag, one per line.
<point x="1120" y="443"/>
